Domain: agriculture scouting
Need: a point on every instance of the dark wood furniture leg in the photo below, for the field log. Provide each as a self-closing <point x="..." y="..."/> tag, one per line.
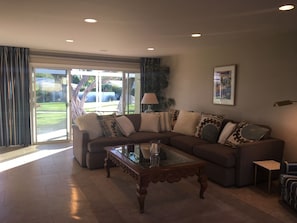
<point x="141" y="193"/>
<point x="107" y="165"/>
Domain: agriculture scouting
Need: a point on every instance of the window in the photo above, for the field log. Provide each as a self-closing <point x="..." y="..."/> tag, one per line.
<point x="104" y="92"/>
<point x="86" y="84"/>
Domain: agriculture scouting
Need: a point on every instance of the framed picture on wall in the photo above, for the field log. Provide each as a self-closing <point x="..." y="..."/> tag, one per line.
<point x="224" y="85"/>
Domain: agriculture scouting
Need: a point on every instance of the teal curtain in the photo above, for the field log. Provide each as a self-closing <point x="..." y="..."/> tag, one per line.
<point x="154" y="79"/>
<point x="14" y="96"/>
<point x="149" y="68"/>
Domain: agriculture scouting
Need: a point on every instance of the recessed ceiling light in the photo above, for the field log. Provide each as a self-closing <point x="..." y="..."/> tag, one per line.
<point x="196" y="35"/>
<point x="150" y="48"/>
<point x="286" y="7"/>
<point x="90" y="20"/>
<point x="69" y="40"/>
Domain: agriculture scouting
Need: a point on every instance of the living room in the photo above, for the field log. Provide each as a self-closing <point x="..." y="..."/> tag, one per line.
<point x="265" y="73"/>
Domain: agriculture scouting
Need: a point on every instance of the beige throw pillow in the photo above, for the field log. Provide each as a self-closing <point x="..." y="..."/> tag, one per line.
<point x="125" y="125"/>
<point x="150" y="122"/>
<point x="226" y="132"/>
<point x="187" y="122"/>
<point x="90" y="123"/>
<point x="164" y="121"/>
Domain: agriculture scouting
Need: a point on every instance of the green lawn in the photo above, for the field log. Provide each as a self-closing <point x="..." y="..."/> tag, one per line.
<point x="51" y="106"/>
<point x="51" y="114"/>
<point x="54" y="113"/>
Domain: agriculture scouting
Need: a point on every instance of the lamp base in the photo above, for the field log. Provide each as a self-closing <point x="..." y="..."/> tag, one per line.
<point x="149" y="109"/>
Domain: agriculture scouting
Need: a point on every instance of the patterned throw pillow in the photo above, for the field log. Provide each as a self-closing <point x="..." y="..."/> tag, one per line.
<point x="246" y="132"/>
<point x="209" y="127"/>
<point x="173" y="113"/>
<point x="109" y="126"/>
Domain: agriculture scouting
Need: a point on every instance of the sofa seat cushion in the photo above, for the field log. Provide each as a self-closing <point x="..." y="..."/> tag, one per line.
<point x="186" y="143"/>
<point x="97" y="145"/>
<point x="216" y="153"/>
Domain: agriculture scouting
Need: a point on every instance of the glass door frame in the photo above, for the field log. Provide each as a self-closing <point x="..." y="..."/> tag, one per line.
<point x="68" y="69"/>
<point x="33" y="103"/>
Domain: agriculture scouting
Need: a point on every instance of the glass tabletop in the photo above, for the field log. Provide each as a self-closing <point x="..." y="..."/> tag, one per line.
<point x="140" y="154"/>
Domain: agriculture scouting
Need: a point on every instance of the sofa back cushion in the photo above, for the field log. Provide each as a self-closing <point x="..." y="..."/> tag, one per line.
<point x="135" y="119"/>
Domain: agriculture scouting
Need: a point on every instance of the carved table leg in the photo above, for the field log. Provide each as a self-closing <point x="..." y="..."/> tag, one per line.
<point x="141" y="193"/>
<point x="202" y="179"/>
<point x="107" y="165"/>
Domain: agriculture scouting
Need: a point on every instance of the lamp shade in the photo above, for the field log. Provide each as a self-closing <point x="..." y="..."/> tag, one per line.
<point x="149" y="99"/>
<point x="283" y="103"/>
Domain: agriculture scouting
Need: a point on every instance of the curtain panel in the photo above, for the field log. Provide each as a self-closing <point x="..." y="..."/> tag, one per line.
<point x="155" y="79"/>
<point x="14" y="96"/>
<point x="149" y="68"/>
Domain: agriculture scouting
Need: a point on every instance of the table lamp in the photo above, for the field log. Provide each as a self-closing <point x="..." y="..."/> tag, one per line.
<point x="149" y="99"/>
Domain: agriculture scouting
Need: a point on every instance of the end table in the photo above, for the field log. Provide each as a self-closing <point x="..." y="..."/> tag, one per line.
<point x="270" y="166"/>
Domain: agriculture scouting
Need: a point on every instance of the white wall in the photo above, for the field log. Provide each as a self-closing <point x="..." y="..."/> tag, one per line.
<point x="266" y="72"/>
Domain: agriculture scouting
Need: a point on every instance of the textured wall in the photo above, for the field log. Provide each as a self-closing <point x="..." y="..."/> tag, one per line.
<point x="266" y="72"/>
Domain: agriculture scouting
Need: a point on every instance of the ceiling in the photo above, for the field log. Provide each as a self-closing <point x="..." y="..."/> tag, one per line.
<point x="129" y="27"/>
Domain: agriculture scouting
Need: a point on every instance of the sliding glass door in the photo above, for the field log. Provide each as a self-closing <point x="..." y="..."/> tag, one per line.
<point x="132" y="93"/>
<point x="101" y="91"/>
<point x="50" y="105"/>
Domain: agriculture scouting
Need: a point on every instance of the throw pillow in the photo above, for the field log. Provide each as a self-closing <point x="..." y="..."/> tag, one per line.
<point x="246" y="132"/>
<point x="164" y="121"/>
<point x="226" y="132"/>
<point x="209" y="127"/>
<point x="125" y="125"/>
<point x="186" y="122"/>
<point x="109" y="126"/>
<point x="90" y="123"/>
<point x="173" y="113"/>
<point x="150" y="122"/>
<point x="255" y="132"/>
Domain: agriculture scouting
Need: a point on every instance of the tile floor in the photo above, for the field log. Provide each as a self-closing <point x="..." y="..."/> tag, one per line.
<point x="39" y="184"/>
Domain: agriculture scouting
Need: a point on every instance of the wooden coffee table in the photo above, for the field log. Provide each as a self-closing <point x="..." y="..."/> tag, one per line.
<point x="173" y="166"/>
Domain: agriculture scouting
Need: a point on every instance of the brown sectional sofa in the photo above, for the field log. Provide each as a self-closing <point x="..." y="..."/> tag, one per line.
<point x="226" y="166"/>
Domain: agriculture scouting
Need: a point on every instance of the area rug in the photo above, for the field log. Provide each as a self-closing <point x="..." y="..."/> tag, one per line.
<point x="114" y="200"/>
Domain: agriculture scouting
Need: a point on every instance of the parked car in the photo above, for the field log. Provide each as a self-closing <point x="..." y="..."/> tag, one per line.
<point x="105" y="96"/>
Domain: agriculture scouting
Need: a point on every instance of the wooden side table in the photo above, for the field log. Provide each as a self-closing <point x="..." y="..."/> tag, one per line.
<point x="270" y="166"/>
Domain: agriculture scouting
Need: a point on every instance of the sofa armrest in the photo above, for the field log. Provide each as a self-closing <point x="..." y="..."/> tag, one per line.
<point x="267" y="149"/>
<point x="80" y="145"/>
<point x="289" y="168"/>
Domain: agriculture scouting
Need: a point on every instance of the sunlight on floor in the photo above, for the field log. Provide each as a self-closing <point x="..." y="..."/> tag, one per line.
<point x="33" y="155"/>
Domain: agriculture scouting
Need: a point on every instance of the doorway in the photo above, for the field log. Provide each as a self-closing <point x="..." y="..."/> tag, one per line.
<point x="101" y="91"/>
<point x="50" y="105"/>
